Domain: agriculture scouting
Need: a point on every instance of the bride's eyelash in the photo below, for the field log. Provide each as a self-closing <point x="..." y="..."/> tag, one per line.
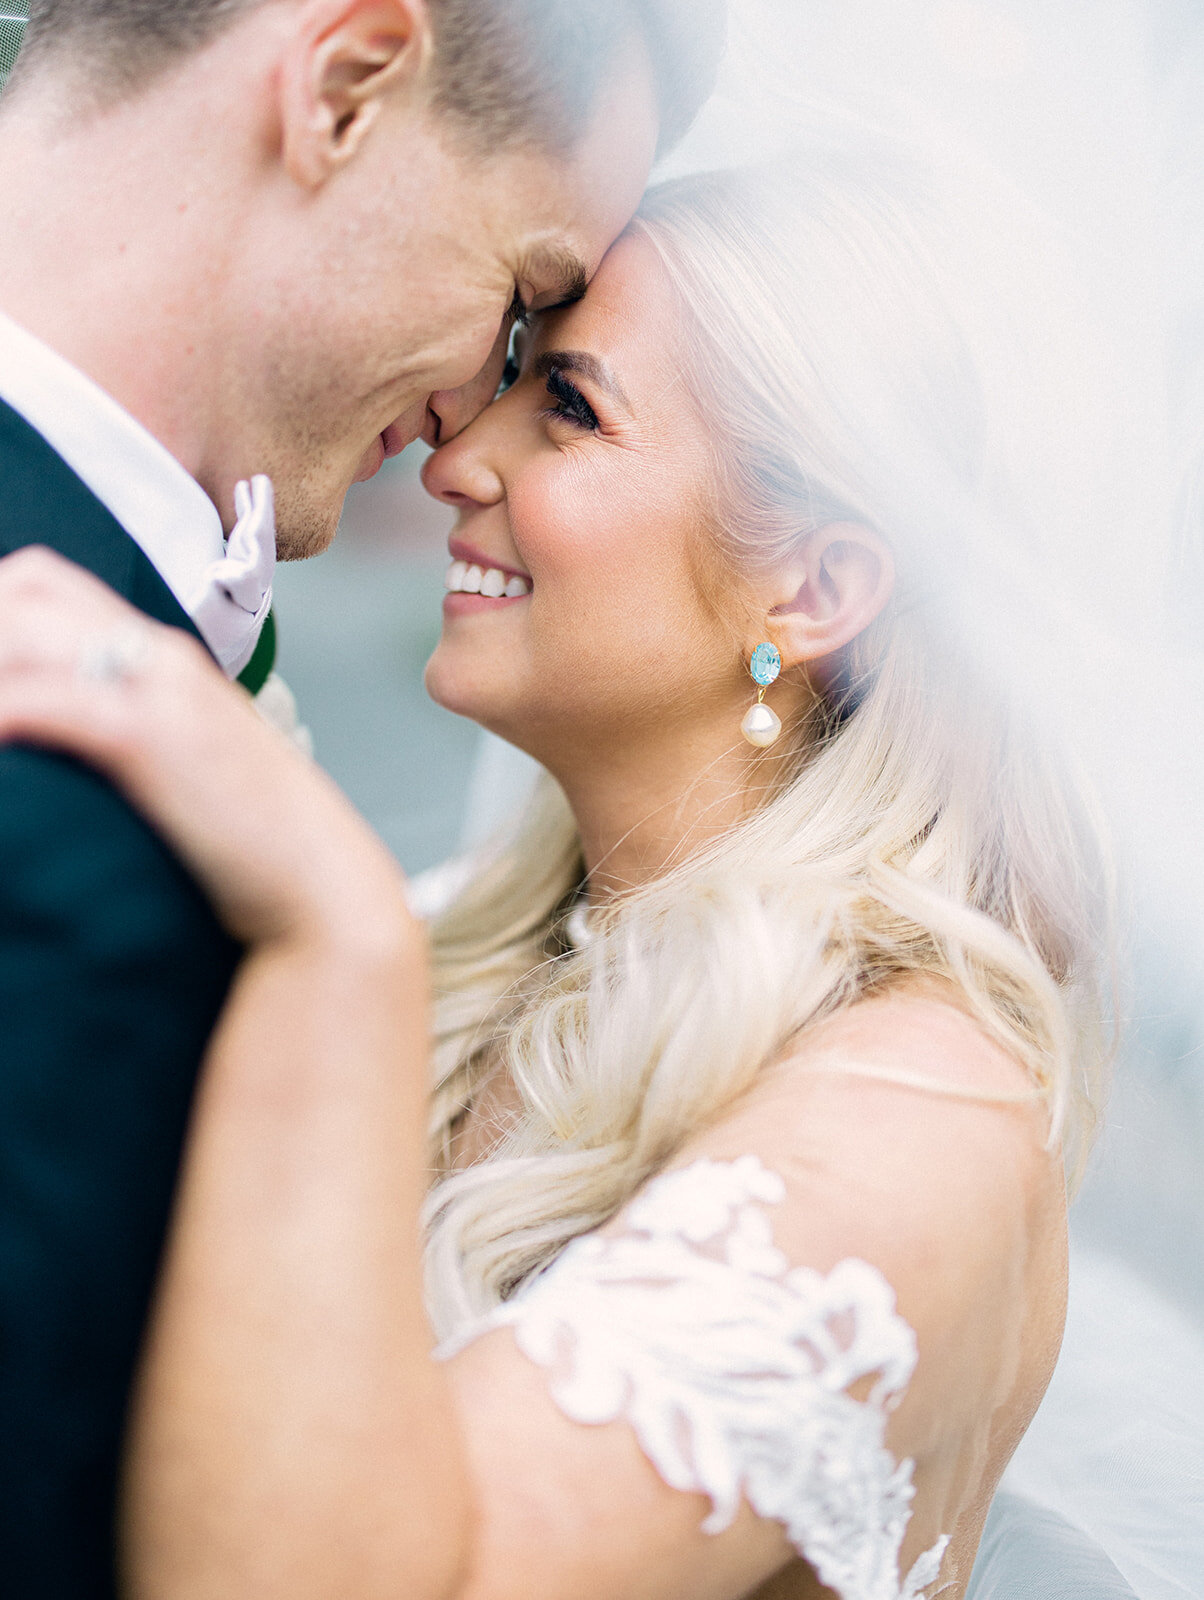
<point x="570" y="404"/>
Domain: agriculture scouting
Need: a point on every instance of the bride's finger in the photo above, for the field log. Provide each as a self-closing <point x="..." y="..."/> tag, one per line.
<point x="147" y="706"/>
<point x="55" y="614"/>
<point x="49" y="632"/>
<point x="35" y="571"/>
<point x="49" y="607"/>
<point x="107" y="694"/>
<point x="44" y="705"/>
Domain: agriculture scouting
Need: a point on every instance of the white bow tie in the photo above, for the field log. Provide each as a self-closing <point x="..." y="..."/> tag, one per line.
<point x="235" y="595"/>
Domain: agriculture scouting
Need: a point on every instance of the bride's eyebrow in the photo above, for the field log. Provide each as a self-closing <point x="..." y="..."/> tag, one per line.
<point x="587" y="365"/>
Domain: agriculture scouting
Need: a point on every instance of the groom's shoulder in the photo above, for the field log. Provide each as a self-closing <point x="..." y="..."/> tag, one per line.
<point x="92" y="899"/>
<point x="42" y="501"/>
<point x="81" y="871"/>
<point x="77" y="864"/>
<point x="107" y="945"/>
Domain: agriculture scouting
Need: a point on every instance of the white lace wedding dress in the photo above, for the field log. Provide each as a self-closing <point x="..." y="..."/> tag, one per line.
<point x="734" y="1370"/>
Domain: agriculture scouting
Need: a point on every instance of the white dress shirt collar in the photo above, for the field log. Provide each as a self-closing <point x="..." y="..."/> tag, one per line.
<point x="163" y="509"/>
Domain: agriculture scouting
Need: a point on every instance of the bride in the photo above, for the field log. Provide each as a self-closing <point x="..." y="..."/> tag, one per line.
<point x="763" y="1046"/>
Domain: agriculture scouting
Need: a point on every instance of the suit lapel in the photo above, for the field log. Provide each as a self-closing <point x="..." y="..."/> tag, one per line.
<point x="43" y="502"/>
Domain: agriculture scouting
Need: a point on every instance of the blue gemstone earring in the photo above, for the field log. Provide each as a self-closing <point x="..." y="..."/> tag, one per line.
<point x="761" y="725"/>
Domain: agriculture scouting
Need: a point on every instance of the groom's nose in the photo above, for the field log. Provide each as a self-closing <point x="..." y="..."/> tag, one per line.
<point x="449" y="411"/>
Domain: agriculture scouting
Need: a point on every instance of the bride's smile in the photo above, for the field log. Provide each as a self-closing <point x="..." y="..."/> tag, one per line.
<point x="590" y="478"/>
<point x="472" y="576"/>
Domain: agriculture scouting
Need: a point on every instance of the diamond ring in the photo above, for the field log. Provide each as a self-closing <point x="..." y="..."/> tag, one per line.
<point x="116" y="657"/>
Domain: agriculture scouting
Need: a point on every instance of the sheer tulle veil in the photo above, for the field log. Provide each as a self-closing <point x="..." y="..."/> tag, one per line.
<point x="1105" y="1496"/>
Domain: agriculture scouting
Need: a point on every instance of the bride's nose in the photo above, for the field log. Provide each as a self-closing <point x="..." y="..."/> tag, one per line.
<point x="460" y="474"/>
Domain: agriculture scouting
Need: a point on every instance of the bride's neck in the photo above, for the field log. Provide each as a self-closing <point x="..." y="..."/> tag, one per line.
<point x="640" y="814"/>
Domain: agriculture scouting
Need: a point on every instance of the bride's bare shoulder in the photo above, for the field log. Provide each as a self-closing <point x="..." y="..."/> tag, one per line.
<point x="910" y="1136"/>
<point x="923" y="1027"/>
<point x="916" y="1062"/>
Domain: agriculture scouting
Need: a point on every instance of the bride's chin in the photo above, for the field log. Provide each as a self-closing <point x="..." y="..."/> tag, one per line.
<point x="480" y="703"/>
<point x="457" y="692"/>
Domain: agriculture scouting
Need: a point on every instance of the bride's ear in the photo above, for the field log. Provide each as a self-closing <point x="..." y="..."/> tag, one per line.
<point x="837" y="584"/>
<point x="339" y="68"/>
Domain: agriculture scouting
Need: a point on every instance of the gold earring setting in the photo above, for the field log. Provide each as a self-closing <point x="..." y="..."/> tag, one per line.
<point x="761" y="725"/>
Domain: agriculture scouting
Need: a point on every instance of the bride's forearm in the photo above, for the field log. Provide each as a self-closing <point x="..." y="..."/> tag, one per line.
<point x="292" y="1436"/>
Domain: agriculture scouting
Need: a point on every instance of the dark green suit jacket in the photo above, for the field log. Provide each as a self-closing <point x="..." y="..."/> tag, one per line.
<point x="112" y="973"/>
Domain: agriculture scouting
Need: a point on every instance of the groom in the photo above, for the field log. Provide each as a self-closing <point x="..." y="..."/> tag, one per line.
<point x="239" y="239"/>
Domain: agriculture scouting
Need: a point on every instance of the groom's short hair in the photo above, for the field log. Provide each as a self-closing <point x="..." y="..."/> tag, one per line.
<point x="508" y="70"/>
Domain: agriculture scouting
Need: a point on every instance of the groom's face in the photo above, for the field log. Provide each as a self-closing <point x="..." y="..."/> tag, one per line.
<point x="380" y="310"/>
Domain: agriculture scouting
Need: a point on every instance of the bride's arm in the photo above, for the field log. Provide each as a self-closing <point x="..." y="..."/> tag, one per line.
<point x="291" y="1436"/>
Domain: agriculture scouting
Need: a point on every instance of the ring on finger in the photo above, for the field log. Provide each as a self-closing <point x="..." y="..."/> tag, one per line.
<point x="116" y="657"/>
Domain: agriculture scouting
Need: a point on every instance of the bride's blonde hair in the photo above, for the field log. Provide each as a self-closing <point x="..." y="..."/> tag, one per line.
<point x="912" y="823"/>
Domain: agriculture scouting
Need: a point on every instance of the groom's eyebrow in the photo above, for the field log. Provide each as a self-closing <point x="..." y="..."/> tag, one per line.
<point x="562" y="271"/>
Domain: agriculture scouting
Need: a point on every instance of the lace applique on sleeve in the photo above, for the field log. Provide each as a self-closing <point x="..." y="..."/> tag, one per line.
<point x="732" y="1368"/>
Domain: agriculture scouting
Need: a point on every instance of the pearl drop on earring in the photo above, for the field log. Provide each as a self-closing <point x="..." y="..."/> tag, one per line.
<point x="761" y="725"/>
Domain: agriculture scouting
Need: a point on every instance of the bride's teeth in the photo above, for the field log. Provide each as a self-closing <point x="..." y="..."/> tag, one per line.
<point x="461" y="578"/>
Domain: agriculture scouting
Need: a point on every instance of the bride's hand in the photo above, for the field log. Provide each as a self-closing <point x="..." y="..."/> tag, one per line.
<point x="279" y="849"/>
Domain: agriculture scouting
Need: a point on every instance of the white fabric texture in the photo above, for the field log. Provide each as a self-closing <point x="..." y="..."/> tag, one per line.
<point x="1031" y="1552"/>
<point x="277" y="705"/>
<point x="733" y="1368"/>
<point x="1117" y="1447"/>
<point x="225" y="589"/>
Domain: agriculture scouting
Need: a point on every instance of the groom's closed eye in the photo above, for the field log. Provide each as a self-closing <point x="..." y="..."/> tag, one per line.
<point x="512" y="370"/>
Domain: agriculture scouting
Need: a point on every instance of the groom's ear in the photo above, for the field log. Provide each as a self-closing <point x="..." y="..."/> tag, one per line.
<point x="343" y="62"/>
<point x="840" y="579"/>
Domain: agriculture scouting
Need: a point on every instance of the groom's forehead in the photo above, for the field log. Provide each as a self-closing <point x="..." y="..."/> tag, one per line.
<point x="573" y="207"/>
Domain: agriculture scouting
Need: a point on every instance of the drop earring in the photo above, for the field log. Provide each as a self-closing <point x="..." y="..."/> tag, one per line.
<point x="761" y="725"/>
